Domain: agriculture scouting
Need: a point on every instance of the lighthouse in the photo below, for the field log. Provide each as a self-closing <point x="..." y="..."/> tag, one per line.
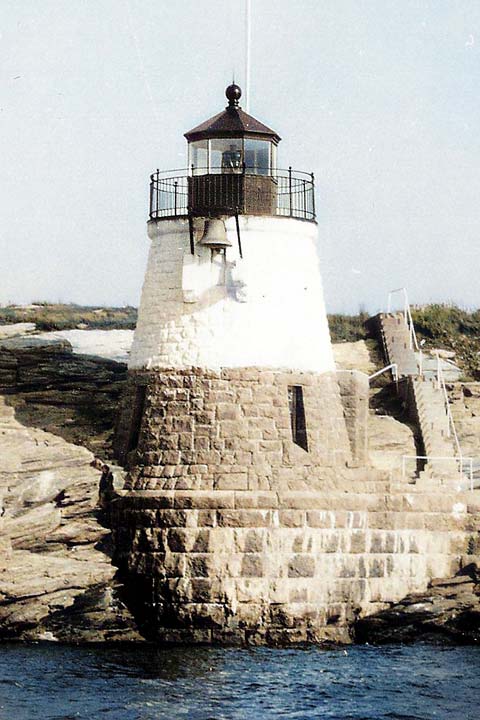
<point x="233" y="411"/>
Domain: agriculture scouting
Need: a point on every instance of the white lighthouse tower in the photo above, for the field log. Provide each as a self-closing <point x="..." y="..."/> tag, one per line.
<point x="233" y="397"/>
<point x="233" y="277"/>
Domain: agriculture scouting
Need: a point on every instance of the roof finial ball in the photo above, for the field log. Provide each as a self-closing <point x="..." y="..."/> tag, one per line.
<point x="233" y="93"/>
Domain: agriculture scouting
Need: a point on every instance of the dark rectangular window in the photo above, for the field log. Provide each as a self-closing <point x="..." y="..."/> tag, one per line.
<point x="297" y="416"/>
<point x="137" y="413"/>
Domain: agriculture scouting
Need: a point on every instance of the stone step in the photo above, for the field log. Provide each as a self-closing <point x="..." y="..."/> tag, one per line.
<point x="262" y="509"/>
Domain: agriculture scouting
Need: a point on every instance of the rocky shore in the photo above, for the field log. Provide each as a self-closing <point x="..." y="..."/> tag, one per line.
<point x="448" y="613"/>
<point x="57" y="581"/>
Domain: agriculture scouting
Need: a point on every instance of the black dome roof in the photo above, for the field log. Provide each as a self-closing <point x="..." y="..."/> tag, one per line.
<point x="232" y="122"/>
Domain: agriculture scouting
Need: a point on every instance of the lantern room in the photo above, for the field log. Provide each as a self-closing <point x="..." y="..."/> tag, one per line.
<point x="232" y="142"/>
<point x="232" y="170"/>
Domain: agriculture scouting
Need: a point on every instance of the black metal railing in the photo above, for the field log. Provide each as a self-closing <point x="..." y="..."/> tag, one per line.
<point x="178" y="193"/>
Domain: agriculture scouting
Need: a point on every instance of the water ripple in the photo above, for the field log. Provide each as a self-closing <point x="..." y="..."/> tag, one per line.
<point x="148" y="683"/>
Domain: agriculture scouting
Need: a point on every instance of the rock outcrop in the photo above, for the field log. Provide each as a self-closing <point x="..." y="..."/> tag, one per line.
<point x="57" y="581"/>
<point x="74" y="396"/>
<point x="447" y="613"/>
<point x="359" y="355"/>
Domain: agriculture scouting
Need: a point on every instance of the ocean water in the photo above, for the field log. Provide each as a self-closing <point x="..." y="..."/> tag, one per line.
<point x="49" y="682"/>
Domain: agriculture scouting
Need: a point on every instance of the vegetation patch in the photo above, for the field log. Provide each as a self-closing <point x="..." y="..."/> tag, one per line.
<point x="348" y="328"/>
<point x="58" y="316"/>
<point x="449" y="327"/>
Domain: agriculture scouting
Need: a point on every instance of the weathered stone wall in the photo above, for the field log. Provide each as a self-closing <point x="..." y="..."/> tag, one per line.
<point x="231" y="430"/>
<point x="277" y="567"/>
<point x="354" y="392"/>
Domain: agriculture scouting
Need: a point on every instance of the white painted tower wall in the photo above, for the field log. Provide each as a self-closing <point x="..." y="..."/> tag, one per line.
<point x="264" y="310"/>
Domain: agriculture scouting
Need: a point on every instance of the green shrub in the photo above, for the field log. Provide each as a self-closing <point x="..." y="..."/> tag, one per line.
<point x="451" y="328"/>
<point x="347" y="328"/>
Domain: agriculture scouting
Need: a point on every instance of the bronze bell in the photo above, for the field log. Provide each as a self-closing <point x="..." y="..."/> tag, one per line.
<point x="215" y="235"/>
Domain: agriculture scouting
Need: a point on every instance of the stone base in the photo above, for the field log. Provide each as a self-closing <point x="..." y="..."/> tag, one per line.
<point x="281" y="567"/>
<point x="230" y="532"/>
<point x="229" y="430"/>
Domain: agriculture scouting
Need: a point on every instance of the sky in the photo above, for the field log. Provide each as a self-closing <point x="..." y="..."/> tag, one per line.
<point x="379" y="98"/>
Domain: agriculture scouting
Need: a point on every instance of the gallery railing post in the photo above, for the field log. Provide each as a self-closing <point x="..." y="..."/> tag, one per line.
<point x="290" y="190"/>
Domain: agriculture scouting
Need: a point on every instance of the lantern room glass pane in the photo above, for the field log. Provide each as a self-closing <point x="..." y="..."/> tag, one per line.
<point x="198" y="157"/>
<point x="257" y="156"/>
<point x="273" y="156"/>
<point x="226" y="155"/>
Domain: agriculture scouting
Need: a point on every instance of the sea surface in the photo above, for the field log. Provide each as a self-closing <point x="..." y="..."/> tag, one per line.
<point x="51" y="682"/>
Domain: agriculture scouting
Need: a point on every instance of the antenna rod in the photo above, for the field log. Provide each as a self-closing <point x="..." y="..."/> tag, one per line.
<point x="248" y="39"/>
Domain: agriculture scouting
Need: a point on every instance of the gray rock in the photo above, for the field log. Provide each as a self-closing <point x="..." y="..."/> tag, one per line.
<point x="29" y="343"/>
<point x="57" y="581"/>
<point x="448" y="613"/>
<point x="74" y="396"/>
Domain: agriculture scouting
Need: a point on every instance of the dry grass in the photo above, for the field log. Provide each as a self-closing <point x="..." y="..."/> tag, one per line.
<point x="56" y="316"/>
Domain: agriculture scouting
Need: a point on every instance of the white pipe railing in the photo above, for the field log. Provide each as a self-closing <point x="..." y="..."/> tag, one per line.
<point x="450" y="424"/>
<point x="465" y="463"/>
<point x="393" y="367"/>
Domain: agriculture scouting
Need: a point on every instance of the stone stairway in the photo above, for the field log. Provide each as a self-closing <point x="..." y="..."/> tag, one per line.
<point x="396" y="343"/>
<point x="434" y="426"/>
<point x="426" y="401"/>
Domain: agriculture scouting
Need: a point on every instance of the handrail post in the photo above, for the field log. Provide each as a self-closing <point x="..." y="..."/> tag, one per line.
<point x="151" y="195"/>
<point x="313" y="195"/>
<point x="290" y="188"/>
<point x="450" y="424"/>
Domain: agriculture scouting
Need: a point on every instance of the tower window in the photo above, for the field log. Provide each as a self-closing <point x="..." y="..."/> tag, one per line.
<point x="297" y="416"/>
<point x="137" y="413"/>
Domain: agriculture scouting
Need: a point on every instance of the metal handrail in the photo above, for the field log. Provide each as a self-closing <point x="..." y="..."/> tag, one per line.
<point x="393" y="367"/>
<point x="407" y="316"/>
<point x="199" y="190"/>
<point x="243" y="168"/>
<point x="450" y="423"/>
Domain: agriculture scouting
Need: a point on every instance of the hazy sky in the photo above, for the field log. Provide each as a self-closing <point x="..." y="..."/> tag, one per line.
<point x="380" y="98"/>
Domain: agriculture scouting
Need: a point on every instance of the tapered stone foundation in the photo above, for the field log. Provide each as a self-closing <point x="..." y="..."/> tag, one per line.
<point x="229" y="430"/>
<point x="229" y="531"/>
